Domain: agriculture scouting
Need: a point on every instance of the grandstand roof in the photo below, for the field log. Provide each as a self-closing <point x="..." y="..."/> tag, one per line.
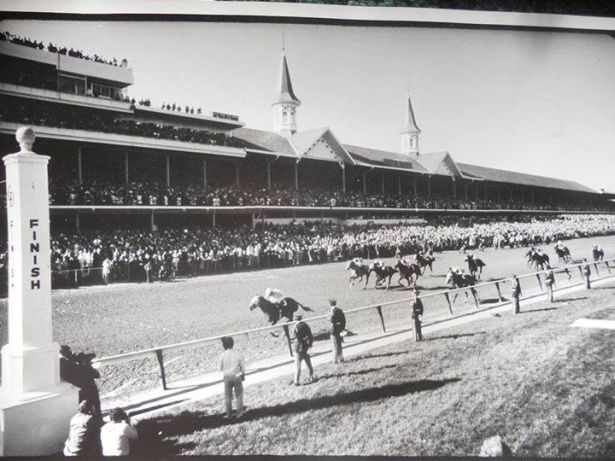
<point x="284" y="89"/>
<point x="320" y="144"/>
<point x="440" y="163"/>
<point x="384" y="158"/>
<point x="496" y="175"/>
<point x="266" y="141"/>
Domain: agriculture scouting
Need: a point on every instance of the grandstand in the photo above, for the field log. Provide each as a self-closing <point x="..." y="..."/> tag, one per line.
<point x="112" y="156"/>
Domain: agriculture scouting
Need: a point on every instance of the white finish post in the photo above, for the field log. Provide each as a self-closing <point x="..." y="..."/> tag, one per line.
<point x="35" y="407"/>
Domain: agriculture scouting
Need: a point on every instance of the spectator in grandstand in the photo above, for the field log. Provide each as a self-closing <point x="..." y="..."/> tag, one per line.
<point x="338" y="325"/>
<point x="116" y="435"/>
<point x="515" y="287"/>
<point x="232" y="366"/>
<point x="83" y="435"/>
<point x="303" y="341"/>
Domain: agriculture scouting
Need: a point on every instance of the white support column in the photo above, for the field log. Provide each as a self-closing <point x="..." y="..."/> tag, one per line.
<point x="398" y="185"/>
<point x="343" y="179"/>
<point x="126" y="173"/>
<point x="382" y="182"/>
<point x="296" y="175"/>
<point x="429" y="186"/>
<point x="236" y="174"/>
<point x="365" y="183"/>
<point x="168" y="170"/>
<point x="79" y="165"/>
<point x="204" y="173"/>
<point x="268" y="175"/>
<point x="35" y="407"/>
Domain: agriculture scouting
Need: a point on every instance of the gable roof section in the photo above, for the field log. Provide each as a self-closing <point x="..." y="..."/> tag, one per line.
<point x="376" y="158"/>
<point x="306" y="144"/>
<point x="266" y="141"/>
<point x="513" y="177"/>
<point x="440" y="163"/>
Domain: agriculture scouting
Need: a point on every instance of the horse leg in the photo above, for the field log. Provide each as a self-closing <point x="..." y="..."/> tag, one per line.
<point x="366" y="281"/>
<point x="389" y="282"/>
<point x="273" y="333"/>
<point x="288" y="340"/>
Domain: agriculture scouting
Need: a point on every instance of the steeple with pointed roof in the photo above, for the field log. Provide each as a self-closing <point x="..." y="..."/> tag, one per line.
<point x="285" y="103"/>
<point x="410" y="132"/>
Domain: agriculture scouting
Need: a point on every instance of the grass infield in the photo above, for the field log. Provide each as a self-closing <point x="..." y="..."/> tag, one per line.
<point x="545" y="387"/>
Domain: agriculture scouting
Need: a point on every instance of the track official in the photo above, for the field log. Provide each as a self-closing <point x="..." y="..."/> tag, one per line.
<point x="303" y="343"/>
<point x="550" y="282"/>
<point x="416" y="305"/>
<point x="515" y="287"/>
<point x="338" y="325"/>
<point x="586" y="273"/>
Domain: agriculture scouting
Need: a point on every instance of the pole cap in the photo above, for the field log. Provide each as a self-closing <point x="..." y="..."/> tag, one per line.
<point x="25" y="137"/>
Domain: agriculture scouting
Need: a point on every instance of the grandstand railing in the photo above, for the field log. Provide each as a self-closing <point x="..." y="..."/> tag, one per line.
<point x="262" y="208"/>
<point x="158" y="351"/>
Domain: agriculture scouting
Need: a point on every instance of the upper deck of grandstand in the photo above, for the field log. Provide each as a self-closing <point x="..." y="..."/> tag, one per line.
<point x="109" y="149"/>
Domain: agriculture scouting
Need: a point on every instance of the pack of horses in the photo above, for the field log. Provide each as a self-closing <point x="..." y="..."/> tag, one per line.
<point x="408" y="270"/>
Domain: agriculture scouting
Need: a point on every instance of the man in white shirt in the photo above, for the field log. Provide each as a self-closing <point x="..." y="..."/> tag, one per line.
<point x="115" y="436"/>
<point x="233" y="368"/>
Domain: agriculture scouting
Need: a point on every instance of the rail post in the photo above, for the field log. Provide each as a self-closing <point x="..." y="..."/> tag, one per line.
<point x="379" y="309"/>
<point x="76" y="279"/>
<point x="163" y="376"/>
<point x="607" y="266"/>
<point x="597" y="271"/>
<point x="497" y="286"/>
<point x="580" y="271"/>
<point x="290" y="344"/>
<point x="539" y="282"/>
<point x="450" y="304"/>
<point x="475" y="296"/>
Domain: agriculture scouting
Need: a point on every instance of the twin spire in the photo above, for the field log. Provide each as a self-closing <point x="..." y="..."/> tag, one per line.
<point x="285" y="112"/>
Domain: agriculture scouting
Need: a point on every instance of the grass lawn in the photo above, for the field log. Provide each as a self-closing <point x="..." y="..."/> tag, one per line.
<point x="545" y="387"/>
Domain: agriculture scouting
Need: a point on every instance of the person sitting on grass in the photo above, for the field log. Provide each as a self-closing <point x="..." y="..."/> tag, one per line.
<point x="83" y="432"/>
<point x="115" y="436"/>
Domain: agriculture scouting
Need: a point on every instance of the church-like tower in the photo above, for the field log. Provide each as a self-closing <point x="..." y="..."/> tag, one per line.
<point x="285" y="104"/>
<point x="410" y="132"/>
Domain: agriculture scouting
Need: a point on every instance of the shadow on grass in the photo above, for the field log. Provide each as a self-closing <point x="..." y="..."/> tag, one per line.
<point x="531" y="311"/>
<point x="156" y="435"/>
<point x="354" y="373"/>
<point x="565" y="300"/>
<point x="463" y="335"/>
<point x="603" y="288"/>
<point x="372" y="356"/>
<point x="492" y="300"/>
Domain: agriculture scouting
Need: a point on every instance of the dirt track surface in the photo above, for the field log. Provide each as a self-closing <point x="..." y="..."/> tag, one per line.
<point x="122" y="318"/>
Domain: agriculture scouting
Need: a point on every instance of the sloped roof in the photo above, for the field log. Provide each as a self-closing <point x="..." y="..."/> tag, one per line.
<point x="440" y="163"/>
<point x="265" y="141"/>
<point x="377" y="157"/>
<point x="284" y="88"/>
<point x="303" y="140"/>
<point x="513" y="177"/>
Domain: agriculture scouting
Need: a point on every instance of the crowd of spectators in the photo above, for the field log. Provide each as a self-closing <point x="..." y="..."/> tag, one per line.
<point x="157" y="194"/>
<point x="139" y="255"/>
<point x="46" y="114"/>
<point x="8" y="37"/>
<point x="178" y="108"/>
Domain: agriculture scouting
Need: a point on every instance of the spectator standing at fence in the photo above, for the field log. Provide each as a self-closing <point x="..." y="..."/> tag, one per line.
<point x="106" y="270"/>
<point x="303" y="343"/>
<point x="338" y="325"/>
<point x="586" y="273"/>
<point x="115" y="436"/>
<point x="550" y="282"/>
<point x="416" y="305"/>
<point x="232" y="366"/>
<point x="149" y="271"/>
<point x="515" y="287"/>
<point x="83" y="434"/>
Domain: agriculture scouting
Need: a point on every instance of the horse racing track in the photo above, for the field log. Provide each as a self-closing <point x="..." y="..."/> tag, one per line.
<point x="121" y="318"/>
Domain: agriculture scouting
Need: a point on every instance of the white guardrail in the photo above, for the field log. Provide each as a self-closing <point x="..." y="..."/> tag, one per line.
<point x="196" y="343"/>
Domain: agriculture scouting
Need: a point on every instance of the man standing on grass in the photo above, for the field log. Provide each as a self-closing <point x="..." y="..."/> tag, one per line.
<point x="550" y="282"/>
<point x="233" y="368"/>
<point x="586" y="273"/>
<point x="515" y="287"/>
<point x="338" y="325"/>
<point x="303" y="342"/>
<point x="416" y="305"/>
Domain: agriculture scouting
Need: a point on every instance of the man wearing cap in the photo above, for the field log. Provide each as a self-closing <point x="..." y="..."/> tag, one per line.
<point x="586" y="273"/>
<point x="303" y="342"/>
<point x="515" y="287"/>
<point x="416" y="305"/>
<point x="338" y="325"/>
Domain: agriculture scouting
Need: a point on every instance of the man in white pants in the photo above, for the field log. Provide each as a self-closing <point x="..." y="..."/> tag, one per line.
<point x="233" y="368"/>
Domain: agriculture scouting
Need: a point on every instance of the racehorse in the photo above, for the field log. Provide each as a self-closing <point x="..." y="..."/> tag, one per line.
<point x="407" y="271"/>
<point x="358" y="271"/>
<point x="277" y="311"/>
<point x="563" y="253"/>
<point x="475" y="265"/>
<point x="424" y="261"/>
<point x="383" y="272"/>
<point x="598" y="253"/>
<point x="537" y="258"/>
<point x="460" y="280"/>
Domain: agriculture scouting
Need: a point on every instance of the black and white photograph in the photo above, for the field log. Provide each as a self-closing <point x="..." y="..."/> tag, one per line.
<point x="253" y="228"/>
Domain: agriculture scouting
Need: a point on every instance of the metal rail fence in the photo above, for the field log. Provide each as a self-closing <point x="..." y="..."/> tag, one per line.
<point x="449" y="296"/>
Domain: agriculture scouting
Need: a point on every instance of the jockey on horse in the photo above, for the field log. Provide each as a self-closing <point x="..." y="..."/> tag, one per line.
<point x="562" y="252"/>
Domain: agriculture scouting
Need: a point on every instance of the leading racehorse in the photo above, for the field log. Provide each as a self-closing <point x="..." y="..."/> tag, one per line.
<point x="383" y="272"/>
<point x="538" y="259"/>
<point x="358" y="270"/>
<point x="276" y="311"/>
<point x="563" y="253"/>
